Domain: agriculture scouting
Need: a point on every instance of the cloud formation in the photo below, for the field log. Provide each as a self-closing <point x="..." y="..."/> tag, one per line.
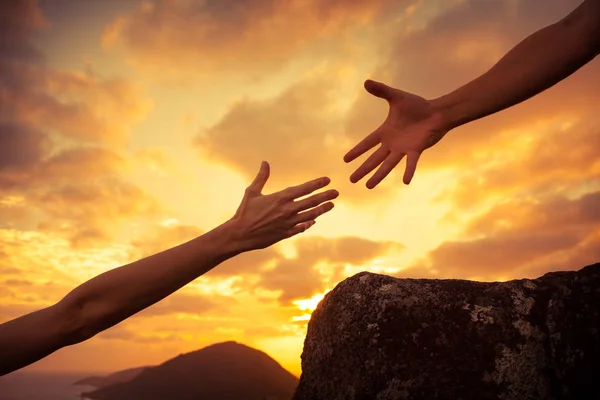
<point x="253" y="37"/>
<point x="520" y="238"/>
<point x="58" y="131"/>
<point x="320" y="263"/>
<point x="299" y="132"/>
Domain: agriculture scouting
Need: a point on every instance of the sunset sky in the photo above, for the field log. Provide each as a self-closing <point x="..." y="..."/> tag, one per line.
<point x="127" y="127"/>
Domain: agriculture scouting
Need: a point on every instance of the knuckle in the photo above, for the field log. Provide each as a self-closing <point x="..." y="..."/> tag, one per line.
<point x="280" y="199"/>
<point x="286" y="194"/>
<point x="288" y="211"/>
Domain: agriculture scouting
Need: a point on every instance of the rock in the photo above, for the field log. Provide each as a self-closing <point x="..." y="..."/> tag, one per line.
<point x="382" y="338"/>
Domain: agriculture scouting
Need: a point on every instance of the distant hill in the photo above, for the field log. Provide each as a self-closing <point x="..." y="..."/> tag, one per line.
<point x="117" y="377"/>
<point x="224" y="371"/>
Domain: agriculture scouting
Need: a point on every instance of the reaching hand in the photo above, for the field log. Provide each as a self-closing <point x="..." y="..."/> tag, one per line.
<point x="262" y="220"/>
<point x="412" y="125"/>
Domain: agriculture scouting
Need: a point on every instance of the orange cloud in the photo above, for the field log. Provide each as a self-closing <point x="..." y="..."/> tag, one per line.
<point x="299" y="132"/>
<point x="552" y="158"/>
<point x="245" y="263"/>
<point x="57" y="171"/>
<point x="301" y="277"/>
<point x="226" y="36"/>
<point x="77" y="105"/>
<point x="99" y="206"/>
<point x="521" y="238"/>
<point x="180" y="303"/>
<point x="160" y="238"/>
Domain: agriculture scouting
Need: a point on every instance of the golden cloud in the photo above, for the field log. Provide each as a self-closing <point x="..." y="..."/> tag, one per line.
<point x="559" y="155"/>
<point x="180" y="303"/>
<point x="56" y="132"/>
<point x="302" y="277"/>
<point x="299" y="132"/>
<point x="253" y="37"/>
<point x="521" y="238"/>
<point x="162" y="237"/>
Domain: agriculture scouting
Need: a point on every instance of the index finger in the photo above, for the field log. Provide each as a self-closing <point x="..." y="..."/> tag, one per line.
<point x="362" y="147"/>
<point x="293" y="192"/>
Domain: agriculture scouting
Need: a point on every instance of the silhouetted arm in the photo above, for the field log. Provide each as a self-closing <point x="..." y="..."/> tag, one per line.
<point x="537" y="63"/>
<point x="415" y="124"/>
<point x="106" y="300"/>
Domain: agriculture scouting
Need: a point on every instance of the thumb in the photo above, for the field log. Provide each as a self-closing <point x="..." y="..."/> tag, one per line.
<point x="381" y="90"/>
<point x="261" y="178"/>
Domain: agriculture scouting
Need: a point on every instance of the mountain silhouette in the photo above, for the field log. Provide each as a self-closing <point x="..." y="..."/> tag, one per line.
<point x="223" y="371"/>
<point x="114" y="378"/>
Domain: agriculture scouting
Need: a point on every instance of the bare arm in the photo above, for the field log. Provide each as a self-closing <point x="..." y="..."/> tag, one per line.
<point x="415" y="124"/>
<point x="113" y="296"/>
<point x="537" y="63"/>
<point x="109" y="298"/>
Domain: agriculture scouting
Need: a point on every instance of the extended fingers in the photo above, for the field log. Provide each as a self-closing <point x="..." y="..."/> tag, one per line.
<point x="294" y="192"/>
<point x="315" y="200"/>
<point x="370" y="164"/>
<point x="386" y="167"/>
<point x="300" y="228"/>
<point x="411" y="165"/>
<point x="362" y="147"/>
<point x="313" y="213"/>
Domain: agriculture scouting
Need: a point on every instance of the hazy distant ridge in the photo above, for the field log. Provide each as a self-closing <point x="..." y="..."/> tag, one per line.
<point x="222" y="371"/>
<point x="117" y="377"/>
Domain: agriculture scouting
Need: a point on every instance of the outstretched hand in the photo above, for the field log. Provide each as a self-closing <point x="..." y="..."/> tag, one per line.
<point x="262" y="220"/>
<point x="412" y="126"/>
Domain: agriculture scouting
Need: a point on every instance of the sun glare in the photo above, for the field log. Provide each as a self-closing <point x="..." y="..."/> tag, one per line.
<point x="303" y="317"/>
<point x="310" y="304"/>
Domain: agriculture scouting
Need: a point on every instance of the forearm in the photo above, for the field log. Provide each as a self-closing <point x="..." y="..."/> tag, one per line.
<point x="113" y="296"/>
<point x="537" y="63"/>
<point x="32" y="337"/>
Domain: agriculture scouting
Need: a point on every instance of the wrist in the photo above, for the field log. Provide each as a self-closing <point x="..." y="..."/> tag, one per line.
<point x="447" y="114"/>
<point x="229" y="239"/>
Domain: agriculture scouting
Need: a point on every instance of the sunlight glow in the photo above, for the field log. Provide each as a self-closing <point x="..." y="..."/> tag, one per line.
<point x="310" y="304"/>
<point x="304" y="317"/>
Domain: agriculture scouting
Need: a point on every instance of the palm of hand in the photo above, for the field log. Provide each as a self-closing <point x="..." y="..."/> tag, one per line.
<point x="409" y="129"/>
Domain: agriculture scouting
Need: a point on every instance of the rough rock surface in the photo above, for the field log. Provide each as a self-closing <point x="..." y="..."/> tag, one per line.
<point x="383" y="338"/>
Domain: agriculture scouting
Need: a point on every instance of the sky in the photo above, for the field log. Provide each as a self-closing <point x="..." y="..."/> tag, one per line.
<point x="128" y="127"/>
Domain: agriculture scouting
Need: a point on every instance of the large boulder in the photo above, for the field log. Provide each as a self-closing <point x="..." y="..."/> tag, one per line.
<point x="379" y="337"/>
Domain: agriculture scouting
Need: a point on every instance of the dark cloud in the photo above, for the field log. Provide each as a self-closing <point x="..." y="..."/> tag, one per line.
<point x="19" y="147"/>
<point x="17" y="19"/>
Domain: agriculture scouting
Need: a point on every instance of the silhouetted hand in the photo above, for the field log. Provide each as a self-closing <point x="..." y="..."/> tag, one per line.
<point x="411" y="126"/>
<point x="262" y="220"/>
